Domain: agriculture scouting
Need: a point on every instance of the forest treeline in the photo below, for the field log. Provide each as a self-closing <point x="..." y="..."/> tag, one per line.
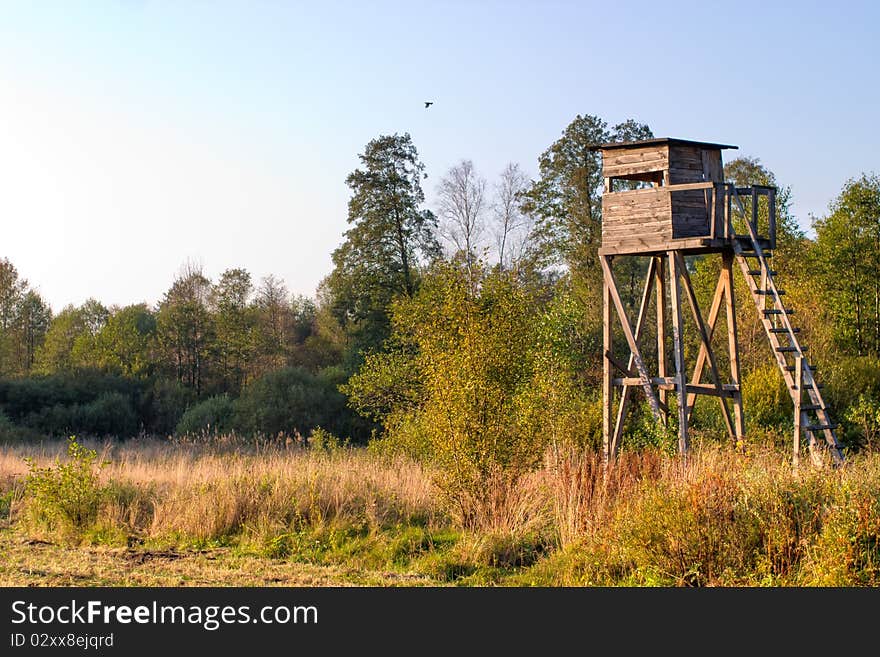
<point x="469" y="331"/>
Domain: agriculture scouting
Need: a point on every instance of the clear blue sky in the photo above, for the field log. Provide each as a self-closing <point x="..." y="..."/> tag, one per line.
<point x="135" y="135"/>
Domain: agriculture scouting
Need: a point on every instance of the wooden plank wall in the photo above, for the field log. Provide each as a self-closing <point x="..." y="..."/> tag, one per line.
<point x="690" y="218"/>
<point x="620" y="162"/>
<point x="690" y="209"/>
<point x="639" y="218"/>
<point x="685" y="164"/>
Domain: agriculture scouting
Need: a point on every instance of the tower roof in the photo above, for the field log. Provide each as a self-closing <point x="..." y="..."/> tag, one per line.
<point x="660" y="140"/>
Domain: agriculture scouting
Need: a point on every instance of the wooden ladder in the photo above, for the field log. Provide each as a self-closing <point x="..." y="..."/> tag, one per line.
<point x="811" y="417"/>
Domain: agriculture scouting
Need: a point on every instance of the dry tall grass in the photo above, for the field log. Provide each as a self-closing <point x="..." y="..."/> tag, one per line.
<point x="159" y="489"/>
<point x="720" y="518"/>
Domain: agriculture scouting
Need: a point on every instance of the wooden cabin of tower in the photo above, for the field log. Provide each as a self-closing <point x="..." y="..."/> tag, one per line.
<point x="665" y="199"/>
<point x="681" y="205"/>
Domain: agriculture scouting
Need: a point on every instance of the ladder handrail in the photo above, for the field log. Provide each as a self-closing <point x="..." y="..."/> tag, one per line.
<point x="768" y="282"/>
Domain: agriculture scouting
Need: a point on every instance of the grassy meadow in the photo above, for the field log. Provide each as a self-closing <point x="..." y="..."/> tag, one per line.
<point x="222" y="512"/>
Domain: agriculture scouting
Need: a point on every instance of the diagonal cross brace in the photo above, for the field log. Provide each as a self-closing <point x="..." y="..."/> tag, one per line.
<point x="636" y="355"/>
<point x="706" y="342"/>
<point x="640" y="325"/>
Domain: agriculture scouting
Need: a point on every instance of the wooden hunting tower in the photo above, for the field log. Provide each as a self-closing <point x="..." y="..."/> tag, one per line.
<point x="665" y="199"/>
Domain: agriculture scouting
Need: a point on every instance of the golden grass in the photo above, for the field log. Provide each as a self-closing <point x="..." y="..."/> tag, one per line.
<point x="720" y="518"/>
<point x="204" y="493"/>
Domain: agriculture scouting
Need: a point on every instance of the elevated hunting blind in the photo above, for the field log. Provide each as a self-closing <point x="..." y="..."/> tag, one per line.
<point x="665" y="199"/>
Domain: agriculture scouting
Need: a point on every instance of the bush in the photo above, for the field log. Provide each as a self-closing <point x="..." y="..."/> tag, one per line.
<point x="847" y="551"/>
<point x="13" y="433"/>
<point x="863" y="417"/>
<point x="289" y="401"/>
<point x="87" y="402"/>
<point x="766" y="401"/>
<point x="67" y="496"/>
<point x="851" y="378"/>
<point x="465" y="354"/>
<point x="111" y="414"/>
<point x="164" y="403"/>
<point x="324" y="441"/>
<point x="211" y="416"/>
<point x="21" y="398"/>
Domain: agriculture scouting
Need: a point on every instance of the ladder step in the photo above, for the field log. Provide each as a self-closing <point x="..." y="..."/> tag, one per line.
<point x="768" y="292"/>
<point x="758" y="272"/>
<point x="784" y="330"/>
<point x="820" y="427"/>
<point x="749" y="254"/>
<point x="775" y="311"/>
<point x="789" y="350"/>
<point x="811" y="407"/>
<point x="818" y="386"/>
<point x="812" y="368"/>
<point x="744" y="237"/>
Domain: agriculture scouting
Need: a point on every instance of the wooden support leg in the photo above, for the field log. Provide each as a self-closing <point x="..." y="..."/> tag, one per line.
<point x="798" y="400"/>
<point x="608" y="354"/>
<point x="661" y="327"/>
<point x="733" y="347"/>
<point x="678" y="352"/>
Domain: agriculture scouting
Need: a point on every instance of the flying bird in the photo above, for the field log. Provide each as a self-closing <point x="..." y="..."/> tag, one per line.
<point x="428" y="103"/>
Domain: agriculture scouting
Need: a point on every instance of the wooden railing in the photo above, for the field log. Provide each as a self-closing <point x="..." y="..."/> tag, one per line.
<point x="718" y="197"/>
<point x="755" y="192"/>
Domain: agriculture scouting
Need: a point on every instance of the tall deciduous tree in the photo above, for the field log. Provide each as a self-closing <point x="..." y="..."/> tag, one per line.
<point x="567" y="198"/>
<point x="234" y="322"/>
<point x="273" y="323"/>
<point x="847" y="255"/>
<point x="390" y="237"/>
<point x="126" y="344"/>
<point x="24" y="320"/>
<point x="70" y="341"/>
<point x="461" y="194"/>
<point x="185" y="327"/>
<point x="34" y="318"/>
<point x="512" y="227"/>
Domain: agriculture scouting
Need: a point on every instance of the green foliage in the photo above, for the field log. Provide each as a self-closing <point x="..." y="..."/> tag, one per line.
<point x="65" y="497"/>
<point x="70" y="341"/>
<point x="568" y="342"/>
<point x="471" y="409"/>
<point x="212" y="416"/>
<point x="87" y="402"/>
<point x="164" y="403"/>
<point x="321" y="440"/>
<point x="864" y="416"/>
<point x="766" y="401"/>
<point x="294" y="401"/>
<point x="851" y="377"/>
<point x="185" y="328"/>
<point x="24" y="320"/>
<point x="234" y="326"/>
<point x="644" y="432"/>
<point x="389" y="239"/>
<point x="13" y="433"/>
<point x="847" y="550"/>
<point x="110" y="414"/>
<point x="567" y="198"/>
<point x="847" y="258"/>
<point x="126" y="343"/>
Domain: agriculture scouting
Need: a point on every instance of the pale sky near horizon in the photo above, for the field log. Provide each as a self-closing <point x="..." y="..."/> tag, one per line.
<point x="137" y="135"/>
